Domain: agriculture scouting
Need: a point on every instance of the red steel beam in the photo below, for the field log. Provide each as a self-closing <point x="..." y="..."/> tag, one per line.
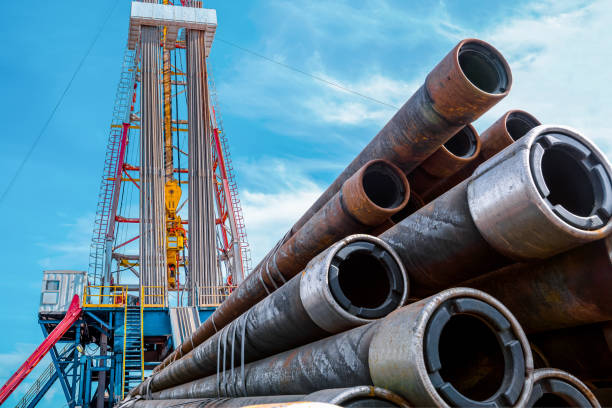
<point x="74" y="311"/>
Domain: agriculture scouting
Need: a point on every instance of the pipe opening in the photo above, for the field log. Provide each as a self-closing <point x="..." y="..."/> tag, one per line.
<point x="365" y="280"/>
<point x="519" y="123"/>
<point x="383" y="186"/>
<point x="463" y="144"/>
<point x="568" y="182"/>
<point x="471" y="357"/>
<point x="483" y="67"/>
<point x="573" y="180"/>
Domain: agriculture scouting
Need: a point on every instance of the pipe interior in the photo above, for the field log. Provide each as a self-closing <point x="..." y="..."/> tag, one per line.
<point x="383" y="186"/>
<point x="551" y="400"/>
<point x="519" y="123"/>
<point x="471" y="356"/>
<point x="363" y="280"/>
<point x="483" y="67"/>
<point x="568" y="182"/>
<point x="462" y="144"/>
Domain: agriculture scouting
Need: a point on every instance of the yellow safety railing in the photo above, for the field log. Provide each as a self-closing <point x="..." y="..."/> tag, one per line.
<point x="212" y="296"/>
<point x="104" y="296"/>
<point x="124" y="346"/>
<point x="153" y="296"/>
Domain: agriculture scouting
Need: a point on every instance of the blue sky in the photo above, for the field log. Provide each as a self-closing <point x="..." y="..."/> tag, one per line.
<point x="289" y="134"/>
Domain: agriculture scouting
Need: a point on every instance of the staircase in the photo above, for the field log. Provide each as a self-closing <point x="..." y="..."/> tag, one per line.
<point x="133" y="361"/>
<point x="42" y="384"/>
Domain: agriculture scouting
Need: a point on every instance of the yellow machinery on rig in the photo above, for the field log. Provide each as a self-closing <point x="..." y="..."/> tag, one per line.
<point x="175" y="233"/>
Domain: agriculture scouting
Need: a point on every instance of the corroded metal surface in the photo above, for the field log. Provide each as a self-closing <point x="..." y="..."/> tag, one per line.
<point x="359" y="396"/>
<point x="567" y="290"/>
<point x="509" y="128"/>
<point x="584" y="351"/>
<point x="457" y="152"/>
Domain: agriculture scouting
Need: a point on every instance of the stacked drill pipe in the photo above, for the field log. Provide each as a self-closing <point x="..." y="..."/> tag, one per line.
<point x="374" y="193"/>
<point x="352" y="397"/>
<point x="326" y="298"/>
<point x="460" y="347"/>
<point x="202" y="268"/>
<point x="152" y="214"/>
<point x="584" y="351"/>
<point x="509" y="128"/>
<point x="556" y="388"/>
<point x="468" y="81"/>
<point x="546" y="193"/>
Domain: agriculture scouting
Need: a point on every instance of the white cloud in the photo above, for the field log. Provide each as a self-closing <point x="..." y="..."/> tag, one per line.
<point x="269" y="213"/>
<point x="71" y="252"/>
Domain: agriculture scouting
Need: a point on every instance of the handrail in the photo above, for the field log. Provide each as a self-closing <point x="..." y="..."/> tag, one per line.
<point x="213" y="296"/>
<point x="125" y="309"/>
<point x="158" y="293"/>
<point x="106" y="296"/>
<point x="141" y="342"/>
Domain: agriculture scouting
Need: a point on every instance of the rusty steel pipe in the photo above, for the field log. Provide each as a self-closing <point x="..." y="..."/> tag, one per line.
<point x="570" y="289"/>
<point x="420" y="352"/>
<point x="509" y="128"/>
<point x="352" y="397"/>
<point x="326" y="298"/>
<point x="451" y="157"/>
<point x="556" y="388"/>
<point x="469" y="80"/>
<point x="584" y="351"/>
<point x="372" y="195"/>
<point x="546" y="193"/>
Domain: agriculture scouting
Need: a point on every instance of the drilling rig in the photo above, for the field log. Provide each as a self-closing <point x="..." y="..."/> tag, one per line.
<point x="169" y="242"/>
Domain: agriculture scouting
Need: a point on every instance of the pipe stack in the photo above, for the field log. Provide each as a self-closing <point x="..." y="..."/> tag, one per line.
<point x="492" y="259"/>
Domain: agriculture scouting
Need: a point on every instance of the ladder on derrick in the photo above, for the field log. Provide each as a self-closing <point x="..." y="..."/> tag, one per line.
<point x="133" y="353"/>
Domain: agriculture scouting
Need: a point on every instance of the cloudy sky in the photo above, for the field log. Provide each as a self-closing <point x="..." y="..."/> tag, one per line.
<point x="289" y="133"/>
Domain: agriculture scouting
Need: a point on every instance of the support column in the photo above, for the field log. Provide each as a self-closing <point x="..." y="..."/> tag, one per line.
<point x="202" y="239"/>
<point x="152" y="174"/>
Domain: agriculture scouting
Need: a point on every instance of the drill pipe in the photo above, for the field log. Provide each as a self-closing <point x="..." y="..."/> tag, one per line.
<point x="421" y="352"/>
<point x="353" y="397"/>
<point x="546" y="193"/>
<point x="374" y="193"/>
<point x="468" y="81"/>
<point x="584" y="351"/>
<point x="513" y="125"/>
<point x="567" y="290"/>
<point x="556" y="388"/>
<point x="326" y="298"/>
<point x="452" y="156"/>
